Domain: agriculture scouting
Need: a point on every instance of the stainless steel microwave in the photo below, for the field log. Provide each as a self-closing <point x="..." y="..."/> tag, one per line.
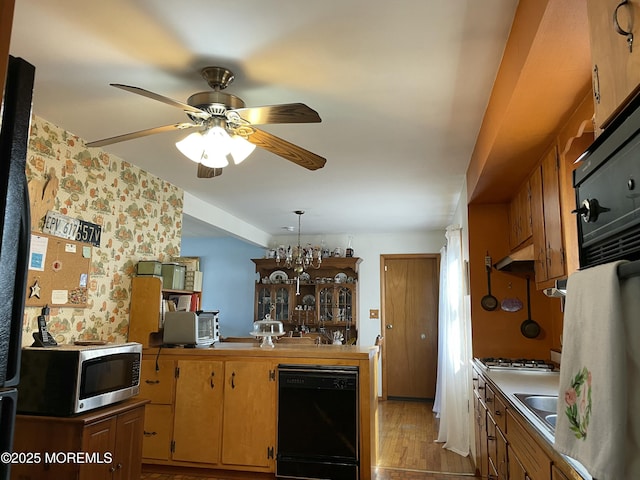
<point x="70" y="379"/>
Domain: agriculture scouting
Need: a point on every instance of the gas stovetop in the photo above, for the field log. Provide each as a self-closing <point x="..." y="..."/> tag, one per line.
<point x="516" y="364"/>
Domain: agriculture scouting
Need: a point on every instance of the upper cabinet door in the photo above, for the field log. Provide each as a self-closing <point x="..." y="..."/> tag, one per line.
<point x="614" y="27"/>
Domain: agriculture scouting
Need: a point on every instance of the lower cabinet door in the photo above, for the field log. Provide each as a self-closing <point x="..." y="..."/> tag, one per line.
<point x="198" y="411"/>
<point x="249" y="425"/>
<point x="158" y="423"/>
<point x="99" y="437"/>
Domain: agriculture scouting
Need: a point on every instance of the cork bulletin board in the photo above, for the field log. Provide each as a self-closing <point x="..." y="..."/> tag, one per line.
<point x="58" y="273"/>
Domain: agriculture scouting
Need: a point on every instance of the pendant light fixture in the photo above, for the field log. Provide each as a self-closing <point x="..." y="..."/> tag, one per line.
<point x="300" y="259"/>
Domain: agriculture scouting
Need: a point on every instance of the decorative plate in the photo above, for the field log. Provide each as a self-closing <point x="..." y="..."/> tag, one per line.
<point x="341" y="277"/>
<point x="305" y="277"/>
<point x="278" y="276"/>
<point x="309" y="300"/>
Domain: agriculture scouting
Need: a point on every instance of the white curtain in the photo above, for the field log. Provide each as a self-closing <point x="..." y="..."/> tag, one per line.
<point x="454" y="349"/>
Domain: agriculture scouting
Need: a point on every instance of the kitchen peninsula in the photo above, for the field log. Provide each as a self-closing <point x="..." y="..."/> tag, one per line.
<point x="217" y="408"/>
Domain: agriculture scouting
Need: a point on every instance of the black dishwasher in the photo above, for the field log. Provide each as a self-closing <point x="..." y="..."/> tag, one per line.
<point x="318" y="417"/>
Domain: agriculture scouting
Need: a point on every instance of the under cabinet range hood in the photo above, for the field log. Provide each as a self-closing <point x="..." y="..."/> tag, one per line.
<point x="518" y="261"/>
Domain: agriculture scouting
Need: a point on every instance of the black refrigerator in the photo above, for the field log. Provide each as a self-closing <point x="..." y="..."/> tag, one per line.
<point x="15" y="226"/>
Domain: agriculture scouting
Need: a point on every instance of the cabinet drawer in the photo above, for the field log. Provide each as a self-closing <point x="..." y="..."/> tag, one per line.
<point x="157" y="384"/>
<point x="496" y="408"/>
<point x="499" y="412"/>
<point x="156" y="443"/>
<point x="532" y="457"/>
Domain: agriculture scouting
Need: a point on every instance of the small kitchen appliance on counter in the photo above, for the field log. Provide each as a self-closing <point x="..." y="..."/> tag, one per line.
<point x="67" y="380"/>
<point x="191" y="329"/>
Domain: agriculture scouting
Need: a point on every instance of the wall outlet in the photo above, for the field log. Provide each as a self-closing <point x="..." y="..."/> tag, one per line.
<point x="374" y="313"/>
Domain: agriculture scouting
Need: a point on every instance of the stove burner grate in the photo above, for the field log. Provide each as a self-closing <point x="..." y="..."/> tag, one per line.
<point x="516" y="363"/>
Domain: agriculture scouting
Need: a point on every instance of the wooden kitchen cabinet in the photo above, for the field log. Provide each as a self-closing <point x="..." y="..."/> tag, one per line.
<point x="122" y="435"/>
<point x="556" y="474"/>
<point x="615" y="66"/>
<point x="219" y="413"/>
<point x="248" y="431"/>
<point x="496" y="441"/>
<point x="239" y="412"/>
<point x="113" y="434"/>
<point x="198" y="411"/>
<point x="146" y="310"/>
<point x="157" y="383"/>
<point x="481" y="434"/>
<point x="549" y="263"/>
<point x="529" y="454"/>
<point x="520" y="221"/>
<point x="323" y="302"/>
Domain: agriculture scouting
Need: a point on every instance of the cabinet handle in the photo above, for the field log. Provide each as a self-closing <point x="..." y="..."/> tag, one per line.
<point x="149" y="434"/>
<point x="211" y="379"/>
<point x="498" y="413"/>
<point x="596" y="84"/>
<point x="152" y="382"/>
<point x="112" y="469"/>
<point x="619" y="29"/>
<point x="489" y="400"/>
<point x="233" y="378"/>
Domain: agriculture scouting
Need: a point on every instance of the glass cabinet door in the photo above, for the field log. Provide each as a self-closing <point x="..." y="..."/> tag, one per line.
<point x="344" y="304"/>
<point x="264" y="302"/>
<point x="325" y="304"/>
<point x="282" y="304"/>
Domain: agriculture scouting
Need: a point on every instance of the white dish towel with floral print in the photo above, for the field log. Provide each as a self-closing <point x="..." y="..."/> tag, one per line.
<point x="598" y="379"/>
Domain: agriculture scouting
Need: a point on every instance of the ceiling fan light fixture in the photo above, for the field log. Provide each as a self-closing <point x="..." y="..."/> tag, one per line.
<point x="240" y="148"/>
<point x="214" y="160"/>
<point x="192" y="146"/>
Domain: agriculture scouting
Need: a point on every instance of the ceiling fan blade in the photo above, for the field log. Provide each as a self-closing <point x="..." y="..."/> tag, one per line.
<point x="285" y="113"/>
<point x="206" y="172"/>
<point x="161" y="98"/>
<point x="291" y="152"/>
<point x="141" y="133"/>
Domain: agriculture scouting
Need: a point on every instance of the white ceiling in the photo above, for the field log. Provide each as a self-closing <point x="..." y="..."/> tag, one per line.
<point x="401" y="88"/>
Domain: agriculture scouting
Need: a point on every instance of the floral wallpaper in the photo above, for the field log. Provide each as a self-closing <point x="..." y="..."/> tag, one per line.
<point x="140" y="216"/>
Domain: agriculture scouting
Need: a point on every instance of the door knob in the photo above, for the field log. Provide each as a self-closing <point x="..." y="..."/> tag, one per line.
<point x="389" y="327"/>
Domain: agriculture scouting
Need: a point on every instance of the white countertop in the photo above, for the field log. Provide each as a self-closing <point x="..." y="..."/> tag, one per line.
<point x="511" y="382"/>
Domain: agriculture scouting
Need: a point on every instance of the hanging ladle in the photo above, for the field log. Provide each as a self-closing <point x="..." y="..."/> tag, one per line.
<point x="488" y="302"/>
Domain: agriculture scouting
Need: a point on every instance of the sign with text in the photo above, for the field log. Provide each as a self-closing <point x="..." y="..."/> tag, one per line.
<point x="62" y="226"/>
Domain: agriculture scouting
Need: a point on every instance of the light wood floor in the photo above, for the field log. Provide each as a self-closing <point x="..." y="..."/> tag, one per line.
<point x="407" y="449"/>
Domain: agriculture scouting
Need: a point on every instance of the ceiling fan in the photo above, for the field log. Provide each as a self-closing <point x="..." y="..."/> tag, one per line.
<point x="216" y="111"/>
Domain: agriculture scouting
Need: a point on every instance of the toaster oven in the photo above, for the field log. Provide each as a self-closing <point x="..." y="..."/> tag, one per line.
<point x="191" y="329"/>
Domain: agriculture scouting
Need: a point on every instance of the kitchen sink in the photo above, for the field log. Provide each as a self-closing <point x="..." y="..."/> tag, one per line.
<point x="544" y="403"/>
<point x="542" y="406"/>
<point x="551" y="419"/>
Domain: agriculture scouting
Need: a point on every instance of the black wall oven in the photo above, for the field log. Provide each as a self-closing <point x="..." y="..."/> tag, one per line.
<point x="607" y="186"/>
<point x="318" y="418"/>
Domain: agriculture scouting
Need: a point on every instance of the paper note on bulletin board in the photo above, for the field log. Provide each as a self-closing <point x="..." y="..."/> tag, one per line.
<point x="58" y="273"/>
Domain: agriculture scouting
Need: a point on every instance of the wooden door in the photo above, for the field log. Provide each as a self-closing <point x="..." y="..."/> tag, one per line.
<point x="99" y="437"/>
<point x="249" y="425"/>
<point x="198" y="411"/>
<point x="410" y="325"/>
<point x="128" y="447"/>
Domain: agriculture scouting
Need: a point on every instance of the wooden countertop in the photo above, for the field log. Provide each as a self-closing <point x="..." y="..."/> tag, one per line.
<point x="337" y="352"/>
